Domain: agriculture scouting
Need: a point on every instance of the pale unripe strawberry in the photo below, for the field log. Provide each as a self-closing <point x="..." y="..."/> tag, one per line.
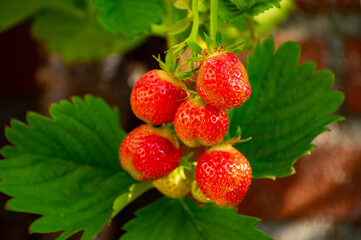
<point x="198" y="195"/>
<point x="175" y="185"/>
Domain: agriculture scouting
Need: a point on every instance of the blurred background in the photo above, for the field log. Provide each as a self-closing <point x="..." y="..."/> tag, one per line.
<point x="322" y="201"/>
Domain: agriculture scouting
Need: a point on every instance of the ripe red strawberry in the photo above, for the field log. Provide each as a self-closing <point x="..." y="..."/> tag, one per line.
<point x="156" y="97"/>
<point x="198" y="123"/>
<point x="223" y="174"/>
<point x="223" y="81"/>
<point x="149" y="153"/>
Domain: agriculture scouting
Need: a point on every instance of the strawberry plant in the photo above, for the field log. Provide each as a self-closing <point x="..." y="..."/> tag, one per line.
<point x="78" y="168"/>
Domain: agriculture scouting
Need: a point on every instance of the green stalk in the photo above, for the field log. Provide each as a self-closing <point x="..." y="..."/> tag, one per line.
<point x="213" y="19"/>
<point x="169" y="19"/>
<point x="195" y="26"/>
<point x="251" y="29"/>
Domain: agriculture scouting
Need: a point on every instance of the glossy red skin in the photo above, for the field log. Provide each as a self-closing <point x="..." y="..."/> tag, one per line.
<point x="154" y="99"/>
<point x="156" y="157"/>
<point x="223" y="176"/>
<point x="198" y="123"/>
<point x="223" y="81"/>
<point x="147" y="156"/>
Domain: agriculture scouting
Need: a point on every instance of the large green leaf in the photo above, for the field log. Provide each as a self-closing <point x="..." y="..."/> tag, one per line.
<point x="13" y="12"/>
<point x="180" y="219"/>
<point x="79" y="38"/>
<point x="289" y="106"/>
<point x="130" y="17"/>
<point x="65" y="168"/>
<point x="233" y="9"/>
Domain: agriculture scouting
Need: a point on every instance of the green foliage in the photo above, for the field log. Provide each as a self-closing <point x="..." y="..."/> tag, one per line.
<point x="289" y="106"/>
<point x="135" y="190"/>
<point x="16" y="11"/>
<point x="179" y="26"/>
<point x="65" y="168"/>
<point x="180" y="219"/>
<point x="195" y="47"/>
<point x="233" y="9"/>
<point x="130" y="17"/>
<point x="69" y="27"/>
<point x="270" y="19"/>
<point x="78" y="39"/>
<point x="219" y="38"/>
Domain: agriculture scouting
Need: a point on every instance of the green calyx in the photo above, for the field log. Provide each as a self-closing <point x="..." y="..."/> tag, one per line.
<point x="236" y="138"/>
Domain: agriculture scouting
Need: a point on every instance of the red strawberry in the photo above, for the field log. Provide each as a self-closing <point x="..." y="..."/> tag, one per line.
<point x="223" y="174"/>
<point x="223" y="81"/>
<point x="198" y="123"/>
<point x="149" y="153"/>
<point x="156" y="97"/>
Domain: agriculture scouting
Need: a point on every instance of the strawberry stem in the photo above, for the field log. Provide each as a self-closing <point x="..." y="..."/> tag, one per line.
<point x="251" y="29"/>
<point x="195" y="26"/>
<point x="169" y="19"/>
<point x="213" y="19"/>
<point x="186" y="164"/>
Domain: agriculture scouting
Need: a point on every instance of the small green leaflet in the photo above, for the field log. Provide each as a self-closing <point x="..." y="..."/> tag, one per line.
<point x="180" y="219"/>
<point x="195" y="47"/>
<point x="130" y="17"/>
<point x="65" y="168"/>
<point x="289" y="106"/>
<point x="219" y="38"/>
<point x="179" y="26"/>
<point x="71" y="35"/>
<point x="229" y="10"/>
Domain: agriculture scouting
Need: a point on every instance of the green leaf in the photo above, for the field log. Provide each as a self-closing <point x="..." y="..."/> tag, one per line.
<point x="65" y="168"/>
<point x="233" y="46"/>
<point x="237" y="51"/>
<point x="230" y="10"/>
<point x="219" y="38"/>
<point x="79" y="39"/>
<point x="130" y="17"/>
<point x="195" y="59"/>
<point x="180" y="219"/>
<point x="289" y="106"/>
<point x="18" y="10"/>
<point x="135" y="190"/>
<point x="179" y="26"/>
<point x="195" y="47"/>
<point x="210" y="43"/>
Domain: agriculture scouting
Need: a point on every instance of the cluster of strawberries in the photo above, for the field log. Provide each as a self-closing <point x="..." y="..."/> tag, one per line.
<point x="222" y="174"/>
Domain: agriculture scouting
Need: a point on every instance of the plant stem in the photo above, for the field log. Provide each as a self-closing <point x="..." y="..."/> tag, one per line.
<point x="251" y="29"/>
<point x="213" y="19"/>
<point x="194" y="32"/>
<point x="171" y="39"/>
